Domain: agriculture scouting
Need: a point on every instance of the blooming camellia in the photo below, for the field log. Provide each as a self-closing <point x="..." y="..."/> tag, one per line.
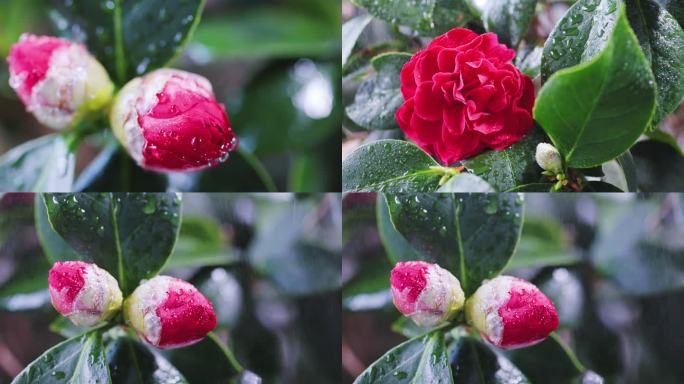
<point x="462" y="95"/>
<point x="425" y="292"/>
<point x="83" y="292"/>
<point x="168" y="312"/>
<point x="511" y="313"/>
<point x="58" y="80"/>
<point x="169" y="120"/>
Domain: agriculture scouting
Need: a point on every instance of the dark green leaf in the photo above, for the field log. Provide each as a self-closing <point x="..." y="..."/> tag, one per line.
<point x="474" y="363"/>
<point x="542" y="243"/>
<point x="129" y="235"/>
<point x="466" y="182"/>
<point x="510" y="167"/>
<point x="626" y="162"/>
<point x="471" y="235"/>
<point x="601" y="186"/>
<point x="78" y="360"/>
<point x="579" y="36"/>
<point x="391" y="166"/>
<point x="420" y="360"/>
<point x="547" y="362"/>
<point x="406" y="327"/>
<point x="54" y="246"/>
<point x="208" y="361"/>
<point x="63" y="326"/>
<point x="662" y="41"/>
<point x="676" y="9"/>
<point x="396" y="245"/>
<point x="369" y="289"/>
<point x="509" y="19"/>
<point x="132" y="362"/>
<point x="595" y="111"/>
<point x="379" y="97"/>
<point x="529" y="61"/>
<point x="201" y="242"/>
<point x="351" y="30"/>
<point x="654" y="164"/>
<point x="129" y="38"/>
<point x="428" y="17"/>
<point x="40" y="165"/>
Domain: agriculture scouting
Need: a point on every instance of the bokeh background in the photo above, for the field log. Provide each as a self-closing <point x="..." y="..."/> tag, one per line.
<point x="612" y="263"/>
<point x="270" y="263"/>
<point x="275" y="64"/>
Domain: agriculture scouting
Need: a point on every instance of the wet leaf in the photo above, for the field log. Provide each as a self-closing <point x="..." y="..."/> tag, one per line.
<point x="208" y="361"/>
<point x="509" y="19"/>
<point x="473" y="362"/>
<point x="130" y="361"/>
<point x="351" y="30"/>
<point x="40" y="165"/>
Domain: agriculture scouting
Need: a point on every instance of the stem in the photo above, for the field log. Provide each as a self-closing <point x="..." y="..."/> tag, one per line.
<point x="571" y="355"/>
<point x="229" y="354"/>
<point x="259" y="169"/>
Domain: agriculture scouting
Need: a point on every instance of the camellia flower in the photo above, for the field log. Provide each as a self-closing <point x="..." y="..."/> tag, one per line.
<point x="83" y="292"/>
<point x="511" y="312"/>
<point x="58" y="80"/>
<point x="425" y="292"/>
<point x="548" y="158"/>
<point x="462" y="95"/>
<point x="168" y="312"/>
<point x="169" y="120"/>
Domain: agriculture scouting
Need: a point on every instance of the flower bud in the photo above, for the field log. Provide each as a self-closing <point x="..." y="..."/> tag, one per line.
<point x="511" y="312"/>
<point x="58" y="80"/>
<point x="425" y="292"/>
<point x="548" y="158"/>
<point x="169" y="120"/>
<point x="168" y="312"/>
<point x="83" y="292"/>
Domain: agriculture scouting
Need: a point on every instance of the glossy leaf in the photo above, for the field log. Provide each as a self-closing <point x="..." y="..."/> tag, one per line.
<point x="528" y="61"/>
<point x="595" y="111"/>
<point x="473" y="362"/>
<point x="208" y="361"/>
<point x="129" y="235"/>
<point x="390" y="166"/>
<point x="548" y="361"/>
<point x="513" y="166"/>
<point x="662" y="41"/>
<point x="129" y="38"/>
<point x="78" y="360"/>
<point x="466" y="182"/>
<point x="420" y="360"/>
<point x="396" y="245"/>
<point x="40" y="165"/>
<point x="472" y="235"/>
<point x="54" y="246"/>
<point x="676" y="9"/>
<point x="509" y="19"/>
<point x="130" y="361"/>
<point x="542" y="243"/>
<point x="379" y="97"/>
<point x="428" y="17"/>
<point x="580" y="35"/>
<point x="351" y="30"/>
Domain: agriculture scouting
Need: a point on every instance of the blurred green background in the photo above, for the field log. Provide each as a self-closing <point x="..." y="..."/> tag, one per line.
<point x="273" y="63"/>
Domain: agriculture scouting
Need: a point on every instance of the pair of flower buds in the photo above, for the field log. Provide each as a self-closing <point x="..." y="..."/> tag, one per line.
<point x="507" y="311"/>
<point x="168" y="120"/>
<point x="165" y="311"/>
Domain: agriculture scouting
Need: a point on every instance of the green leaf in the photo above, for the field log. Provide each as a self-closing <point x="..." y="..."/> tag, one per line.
<point x="64" y="327"/>
<point x="201" y="242"/>
<point x="77" y="360"/>
<point x="39" y="165"/>
<point x="208" y="361"/>
<point x="601" y="186"/>
<point x="351" y="30"/>
<point x="532" y="187"/>
<point x="369" y="289"/>
<point x="406" y="327"/>
<point x="474" y="236"/>
<point x="390" y="166"/>
<point x="396" y="245"/>
<point x="473" y="362"/>
<point x="420" y="360"/>
<point x="579" y="36"/>
<point x="621" y="172"/>
<point x="428" y="17"/>
<point x="466" y="182"/>
<point x="528" y="60"/>
<point x="129" y="38"/>
<point x="132" y="362"/>
<point x="510" y="167"/>
<point x="662" y="41"/>
<point x="542" y="243"/>
<point x="129" y="235"/>
<point x="509" y="19"/>
<point x="654" y="164"/>
<point x="379" y="97"/>
<point x="595" y="111"/>
<point x="54" y="245"/>
<point x="549" y="361"/>
<point x="676" y="9"/>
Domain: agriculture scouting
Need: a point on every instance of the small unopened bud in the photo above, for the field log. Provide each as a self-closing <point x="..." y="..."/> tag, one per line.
<point x="58" y="80"/>
<point x="168" y="312"/>
<point x="83" y="292"/>
<point x="548" y="158"/>
<point x="511" y="313"/>
<point x="425" y="292"/>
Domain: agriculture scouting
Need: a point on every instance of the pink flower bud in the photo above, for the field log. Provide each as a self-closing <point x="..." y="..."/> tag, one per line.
<point x="511" y="312"/>
<point x="83" y="292"/>
<point x="57" y="80"/>
<point x="168" y="312"/>
<point x="425" y="292"/>
<point x="169" y="120"/>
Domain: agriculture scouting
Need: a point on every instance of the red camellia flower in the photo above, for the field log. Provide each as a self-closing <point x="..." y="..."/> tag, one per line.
<point x="169" y="120"/>
<point x="462" y="95"/>
<point x="168" y="312"/>
<point x="511" y="312"/>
